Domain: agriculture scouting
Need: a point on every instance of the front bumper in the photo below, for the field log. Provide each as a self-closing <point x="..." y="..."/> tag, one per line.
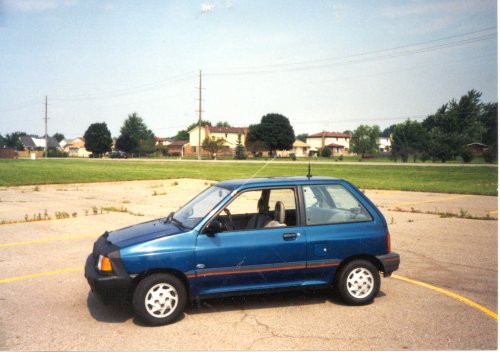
<point x="390" y="263"/>
<point x="109" y="287"/>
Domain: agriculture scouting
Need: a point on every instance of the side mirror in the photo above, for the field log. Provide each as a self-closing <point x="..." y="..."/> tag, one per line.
<point x="214" y="227"/>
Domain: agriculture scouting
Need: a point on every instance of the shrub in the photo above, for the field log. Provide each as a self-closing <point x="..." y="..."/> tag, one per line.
<point x="467" y="155"/>
<point x="490" y="154"/>
<point x="326" y="152"/>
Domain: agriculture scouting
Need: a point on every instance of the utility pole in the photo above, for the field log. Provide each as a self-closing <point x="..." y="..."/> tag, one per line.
<point x="199" y="119"/>
<point x="46" y="134"/>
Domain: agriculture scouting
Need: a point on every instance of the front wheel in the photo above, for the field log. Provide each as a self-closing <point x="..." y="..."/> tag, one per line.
<point x="358" y="282"/>
<point x="159" y="299"/>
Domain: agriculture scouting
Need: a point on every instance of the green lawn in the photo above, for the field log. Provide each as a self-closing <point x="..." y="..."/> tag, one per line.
<point x="446" y="179"/>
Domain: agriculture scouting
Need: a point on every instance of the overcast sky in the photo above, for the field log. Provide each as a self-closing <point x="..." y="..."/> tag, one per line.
<point x="326" y="65"/>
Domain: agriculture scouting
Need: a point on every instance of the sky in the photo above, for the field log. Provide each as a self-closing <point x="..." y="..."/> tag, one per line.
<point x="324" y="64"/>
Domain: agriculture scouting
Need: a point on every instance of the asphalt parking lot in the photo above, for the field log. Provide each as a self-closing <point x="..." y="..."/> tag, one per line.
<point x="445" y="295"/>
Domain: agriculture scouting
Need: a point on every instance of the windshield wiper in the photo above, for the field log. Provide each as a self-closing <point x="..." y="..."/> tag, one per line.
<point x="170" y="218"/>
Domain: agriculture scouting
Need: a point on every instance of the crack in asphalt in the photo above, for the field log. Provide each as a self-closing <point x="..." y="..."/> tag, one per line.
<point x="269" y="329"/>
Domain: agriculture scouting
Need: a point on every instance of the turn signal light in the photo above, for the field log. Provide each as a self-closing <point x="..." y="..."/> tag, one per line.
<point x="104" y="264"/>
<point x="388" y="237"/>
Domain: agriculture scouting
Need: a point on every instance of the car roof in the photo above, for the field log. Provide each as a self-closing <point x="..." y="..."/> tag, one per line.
<point x="275" y="181"/>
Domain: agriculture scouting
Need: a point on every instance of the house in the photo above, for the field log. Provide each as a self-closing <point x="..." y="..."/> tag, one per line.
<point x="228" y="134"/>
<point x="477" y="148"/>
<point x="384" y="144"/>
<point x="35" y="143"/>
<point x="76" y="148"/>
<point x="8" y="153"/>
<point x="178" y="148"/>
<point x="299" y="149"/>
<point x="160" y="141"/>
<point x="338" y="142"/>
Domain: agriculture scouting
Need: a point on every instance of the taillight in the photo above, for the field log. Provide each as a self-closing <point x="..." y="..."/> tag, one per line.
<point x="388" y="238"/>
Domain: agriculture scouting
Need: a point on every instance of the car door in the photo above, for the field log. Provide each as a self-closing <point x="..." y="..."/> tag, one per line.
<point x="272" y="255"/>
<point x="338" y="226"/>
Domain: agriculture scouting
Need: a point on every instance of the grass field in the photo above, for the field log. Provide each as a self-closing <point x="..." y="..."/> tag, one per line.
<point x="445" y="179"/>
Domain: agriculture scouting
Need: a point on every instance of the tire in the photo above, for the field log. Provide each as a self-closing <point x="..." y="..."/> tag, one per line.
<point x="159" y="299"/>
<point x="358" y="282"/>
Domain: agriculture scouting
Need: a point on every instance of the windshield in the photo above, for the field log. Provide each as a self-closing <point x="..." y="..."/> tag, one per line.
<point x="194" y="211"/>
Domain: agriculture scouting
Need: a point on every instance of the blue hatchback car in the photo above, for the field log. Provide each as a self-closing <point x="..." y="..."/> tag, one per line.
<point x="246" y="236"/>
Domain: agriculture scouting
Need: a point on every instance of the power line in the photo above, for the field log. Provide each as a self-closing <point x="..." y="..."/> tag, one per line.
<point x="359" y="58"/>
<point x="130" y="91"/>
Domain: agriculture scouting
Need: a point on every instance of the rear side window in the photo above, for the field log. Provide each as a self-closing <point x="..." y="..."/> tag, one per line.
<point x="332" y="204"/>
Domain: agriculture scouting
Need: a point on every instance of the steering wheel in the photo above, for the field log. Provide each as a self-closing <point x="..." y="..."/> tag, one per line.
<point x="229" y="226"/>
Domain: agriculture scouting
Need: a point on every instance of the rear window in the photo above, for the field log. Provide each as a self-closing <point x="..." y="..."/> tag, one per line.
<point x="332" y="204"/>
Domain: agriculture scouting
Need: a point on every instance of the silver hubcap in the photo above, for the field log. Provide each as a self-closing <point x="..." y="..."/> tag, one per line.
<point x="360" y="283"/>
<point x="161" y="300"/>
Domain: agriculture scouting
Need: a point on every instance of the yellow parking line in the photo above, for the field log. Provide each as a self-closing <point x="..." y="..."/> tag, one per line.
<point x="385" y="193"/>
<point x="450" y="294"/>
<point x="47" y="273"/>
<point x="493" y="212"/>
<point x="44" y="240"/>
<point x="430" y="200"/>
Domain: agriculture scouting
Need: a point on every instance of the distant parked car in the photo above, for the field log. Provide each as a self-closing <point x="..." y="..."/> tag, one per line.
<point x="226" y="241"/>
<point x="119" y="155"/>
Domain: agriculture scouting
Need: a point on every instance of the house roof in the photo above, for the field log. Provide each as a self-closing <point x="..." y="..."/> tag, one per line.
<point x="329" y="135"/>
<point x="27" y="142"/>
<point x="178" y="143"/>
<point x="476" y="144"/>
<point x="215" y="129"/>
<point x="333" y="145"/>
<point x="299" y="144"/>
<point x="161" y="139"/>
<point x="33" y="142"/>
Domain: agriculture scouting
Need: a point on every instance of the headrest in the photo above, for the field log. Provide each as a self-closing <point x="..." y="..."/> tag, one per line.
<point x="279" y="212"/>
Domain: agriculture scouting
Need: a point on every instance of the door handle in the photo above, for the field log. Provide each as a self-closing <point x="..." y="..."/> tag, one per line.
<point x="290" y="236"/>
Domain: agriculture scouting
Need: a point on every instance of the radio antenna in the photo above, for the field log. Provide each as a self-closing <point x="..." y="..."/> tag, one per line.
<point x="309" y="167"/>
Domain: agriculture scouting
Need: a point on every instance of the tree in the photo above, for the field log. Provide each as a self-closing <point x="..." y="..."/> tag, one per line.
<point x="126" y="143"/>
<point x="183" y="135"/>
<point x="98" y="139"/>
<point x="138" y="132"/>
<point x="365" y="140"/>
<point x="302" y="137"/>
<point x="408" y="138"/>
<point x="59" y="137"/>
<point x="240" y="149"/>
<point x="2" y="141"/>
<point x="274" y="130"/>
<point x="223" y="124"/>
<point x="454" y="125"/>
<point x="213" y="145"/>
<point x="386" y="133"/>
<point x="12" y="140"/>
<point x="195" y="124"/>
<point x="489" y="119"/>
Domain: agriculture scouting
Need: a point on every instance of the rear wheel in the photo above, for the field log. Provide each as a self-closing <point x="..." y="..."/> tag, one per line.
<point x="358" y="282"/>
<point x="159" y="299"/>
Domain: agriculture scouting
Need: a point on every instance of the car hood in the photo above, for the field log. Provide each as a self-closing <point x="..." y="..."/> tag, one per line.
<point x="139" y="233"/>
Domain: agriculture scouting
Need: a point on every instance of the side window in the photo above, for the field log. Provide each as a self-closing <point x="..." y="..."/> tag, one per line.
<point x="263" y="208"/>
<point x="332" y="204"/>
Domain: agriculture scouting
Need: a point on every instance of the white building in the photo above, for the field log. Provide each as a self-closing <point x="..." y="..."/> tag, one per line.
<point x="338" y="142"/>
<point x="228" y="134"/>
